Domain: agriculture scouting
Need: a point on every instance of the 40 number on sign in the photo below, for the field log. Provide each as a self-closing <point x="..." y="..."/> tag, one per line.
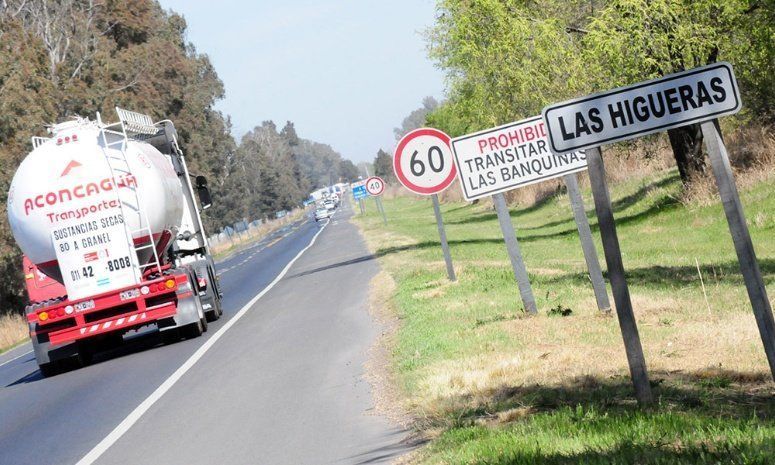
<point x="375" y="186"/>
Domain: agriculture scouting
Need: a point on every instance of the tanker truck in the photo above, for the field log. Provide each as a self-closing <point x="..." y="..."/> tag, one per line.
<point x="112" y="237"/>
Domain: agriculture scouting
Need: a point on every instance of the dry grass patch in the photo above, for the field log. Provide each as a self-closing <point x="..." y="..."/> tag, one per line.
<point x="13" y="330"/>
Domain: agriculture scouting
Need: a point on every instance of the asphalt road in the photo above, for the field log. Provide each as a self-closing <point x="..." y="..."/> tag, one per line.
<point x="282" y="384"/>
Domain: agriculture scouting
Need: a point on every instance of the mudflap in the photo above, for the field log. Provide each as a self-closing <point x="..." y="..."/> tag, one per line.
<point x="45" y="354"/>
<point x="189" y="311"/>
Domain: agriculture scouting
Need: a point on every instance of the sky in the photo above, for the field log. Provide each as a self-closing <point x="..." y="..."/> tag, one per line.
<point x="346" y="72"/>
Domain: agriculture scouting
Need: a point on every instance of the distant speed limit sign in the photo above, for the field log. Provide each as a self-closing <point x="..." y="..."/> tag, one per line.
<point x="423" y="161"/>
<point x="375" y="186"/>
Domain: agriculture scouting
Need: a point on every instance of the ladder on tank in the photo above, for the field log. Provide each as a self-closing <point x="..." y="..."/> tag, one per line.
<point x="135" y="124"/>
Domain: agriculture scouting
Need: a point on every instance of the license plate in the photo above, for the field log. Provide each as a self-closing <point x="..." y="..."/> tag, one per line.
<point x="85" y="305"/>
<point x="130" y="294"/>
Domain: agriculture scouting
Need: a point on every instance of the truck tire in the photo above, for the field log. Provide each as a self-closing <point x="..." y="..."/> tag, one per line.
<point x="170" y="336"/>
<point x="85" y="354"/>
<point x="217" y="310"/>
<point x="192" y="330"/>
<point x="50" y="369"/>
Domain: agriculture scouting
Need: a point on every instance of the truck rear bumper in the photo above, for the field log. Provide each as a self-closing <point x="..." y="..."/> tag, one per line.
<point x="123" y="322"/>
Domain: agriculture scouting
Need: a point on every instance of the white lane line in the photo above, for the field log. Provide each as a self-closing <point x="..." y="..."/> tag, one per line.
<point x="138" y="412"/>
<point x="15" y="358"/>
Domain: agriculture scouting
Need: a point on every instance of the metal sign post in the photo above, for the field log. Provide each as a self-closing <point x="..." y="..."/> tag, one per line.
<point x="672" y="101"/>
<point x="359" y="193"/>
<point x="515" y="254"/>
<point x="613" y="258"/>
<point x="749" y="267"/>
<point x="375" y="186"/>
<point x="443" y="237"/>
<point x="423" y="163"/>
<point x="587" y="245"/>
<point x="381" y="209"/>
<point x="511" y="156"/>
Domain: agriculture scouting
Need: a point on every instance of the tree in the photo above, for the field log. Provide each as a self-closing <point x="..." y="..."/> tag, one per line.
<point x="416" y="119"/>
<point x="348" y="171"/>
<point x="77" y="57"/>
<point x="639" y="39"/>
<point x="383" y="166"/>
<point x="506" y="59"/>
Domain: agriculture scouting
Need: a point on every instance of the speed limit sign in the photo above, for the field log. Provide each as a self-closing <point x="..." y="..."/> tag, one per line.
<point x="423" y="161"/>
<point x="375" y="186"/>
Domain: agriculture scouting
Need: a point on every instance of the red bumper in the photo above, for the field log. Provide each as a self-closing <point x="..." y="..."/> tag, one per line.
<point x="126" y="320"/>
<point x="112" y="312"/>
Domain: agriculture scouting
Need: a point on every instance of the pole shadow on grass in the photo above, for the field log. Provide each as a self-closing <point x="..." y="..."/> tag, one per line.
<point x="664" y="204"/>
<point x="661" y="276"/>
<point x="709" y="416"/>
<point x="618" y="205"/>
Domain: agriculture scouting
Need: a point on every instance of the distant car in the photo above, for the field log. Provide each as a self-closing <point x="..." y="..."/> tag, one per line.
<point x="322" y="214"/>
<point x="330" y="205"/>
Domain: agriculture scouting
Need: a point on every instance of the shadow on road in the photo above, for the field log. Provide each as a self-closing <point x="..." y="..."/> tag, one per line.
<point x="135" y="344"/>
<point x="386" y="454"/>
<point x="353" y="261"/>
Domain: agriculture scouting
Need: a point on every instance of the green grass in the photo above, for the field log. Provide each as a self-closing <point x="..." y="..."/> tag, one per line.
<point x="590" y="435"/>
<point x="502" y="387"/>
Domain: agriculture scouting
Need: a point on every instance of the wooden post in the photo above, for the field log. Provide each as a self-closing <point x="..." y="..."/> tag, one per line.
<point x="587" y="245"/>
<point x="515" y="254"/>
<point x="749" y="266"/>
<point x="360" y="204"/>
<point x="613" y="258"/>
<point x="443" y="237"/>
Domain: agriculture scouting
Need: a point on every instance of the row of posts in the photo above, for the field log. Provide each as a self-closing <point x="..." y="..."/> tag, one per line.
<point x="737" y="225"/>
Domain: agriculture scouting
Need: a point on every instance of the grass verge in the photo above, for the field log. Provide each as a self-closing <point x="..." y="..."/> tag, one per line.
<point x="490" y="385"/>
<point x="13" y="331"/>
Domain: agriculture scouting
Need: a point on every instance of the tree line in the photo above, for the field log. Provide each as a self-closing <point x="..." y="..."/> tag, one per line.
<point x="506" y="59"/>
<point x="64" y="58"/>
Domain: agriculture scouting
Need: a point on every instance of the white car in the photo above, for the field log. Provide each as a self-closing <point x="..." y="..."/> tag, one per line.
<point x="322" y="214"/>
<point x="330" y="205"/>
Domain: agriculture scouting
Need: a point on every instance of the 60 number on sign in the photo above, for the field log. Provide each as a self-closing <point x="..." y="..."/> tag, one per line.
<point x="423" y="161"/>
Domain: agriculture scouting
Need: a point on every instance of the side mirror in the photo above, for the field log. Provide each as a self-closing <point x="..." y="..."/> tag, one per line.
<point x="205" y="199"/>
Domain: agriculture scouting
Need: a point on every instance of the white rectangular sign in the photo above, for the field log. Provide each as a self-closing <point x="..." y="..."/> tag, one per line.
<point x="94" y="255"/>
<point x="652" y="106"/>
<point x="509" y="156"/>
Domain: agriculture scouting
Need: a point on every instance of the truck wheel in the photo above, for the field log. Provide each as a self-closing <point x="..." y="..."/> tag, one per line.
<point x="85" y="354"/>
<point x="50" y="369"/>
<point x="212" y="315"/>
<point x="192" y="330"/>
<point x="217" y="309"/>
<point x="170" y="336"/>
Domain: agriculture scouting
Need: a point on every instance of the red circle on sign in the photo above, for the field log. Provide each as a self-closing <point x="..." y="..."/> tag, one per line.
<point x="445" y="139"/>
<point x="381" y="185"/>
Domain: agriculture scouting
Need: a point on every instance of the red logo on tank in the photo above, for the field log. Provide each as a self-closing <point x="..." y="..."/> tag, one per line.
<point x="69" y="167"/>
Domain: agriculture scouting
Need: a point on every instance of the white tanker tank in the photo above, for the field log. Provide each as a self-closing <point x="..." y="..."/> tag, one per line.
<point x="66" y="185"/>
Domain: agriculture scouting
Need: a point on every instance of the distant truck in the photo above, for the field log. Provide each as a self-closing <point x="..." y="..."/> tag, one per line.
<point x="112" y="237"/>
